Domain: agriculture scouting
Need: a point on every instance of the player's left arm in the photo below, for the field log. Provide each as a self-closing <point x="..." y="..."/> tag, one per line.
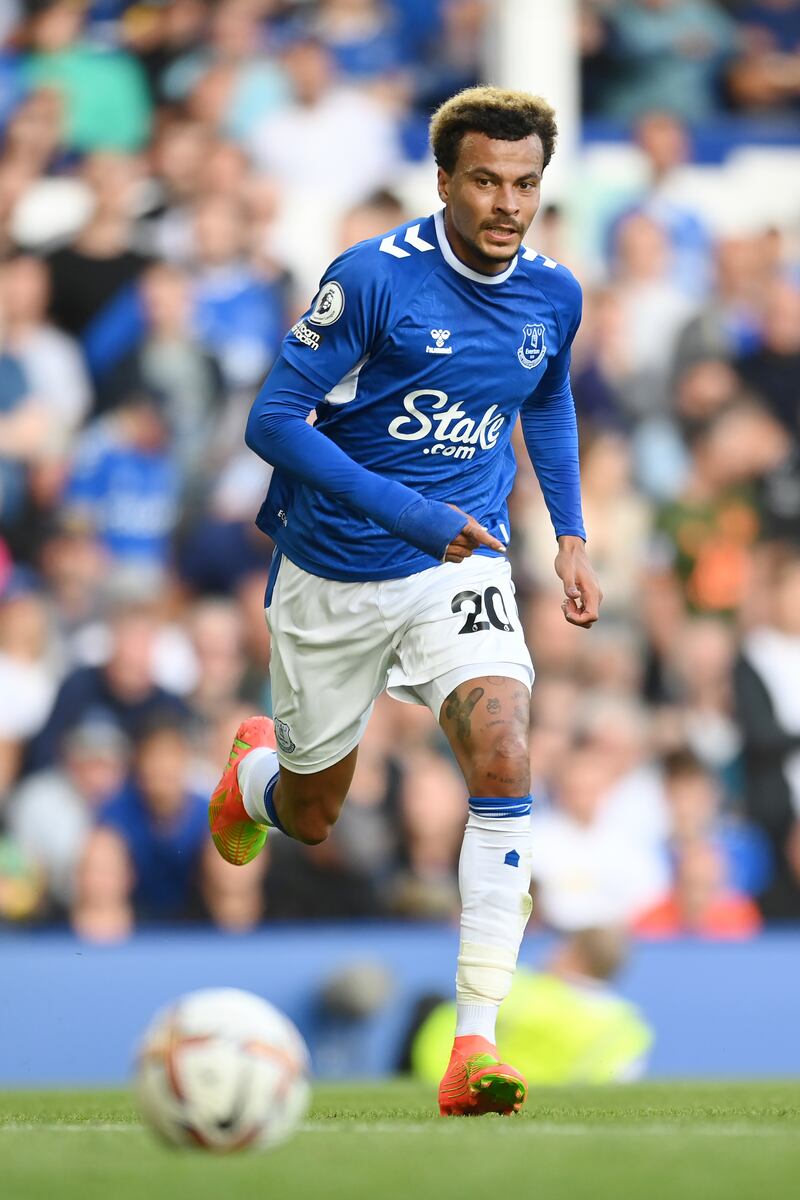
<point x="550" y="428"/>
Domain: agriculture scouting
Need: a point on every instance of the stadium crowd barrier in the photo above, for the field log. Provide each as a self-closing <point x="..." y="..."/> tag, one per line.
<point x="71" y="1013"/>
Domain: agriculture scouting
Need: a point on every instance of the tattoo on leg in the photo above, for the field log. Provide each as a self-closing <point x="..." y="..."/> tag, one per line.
<point x="460" y="711"/>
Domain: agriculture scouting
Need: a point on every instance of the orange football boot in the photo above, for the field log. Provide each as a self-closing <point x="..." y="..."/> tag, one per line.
<point x="477" y="1082"/>
<point x="235" y="834"/>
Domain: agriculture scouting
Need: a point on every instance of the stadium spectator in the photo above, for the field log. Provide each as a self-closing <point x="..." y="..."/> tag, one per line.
<point x="585" y="868"/>
<point x="125" y="483"/>
<point x="51" y="361"/>
<point x="698" y="814"/>
<point x="237" y="314"/>
<point x="51" y="813"/>
<point x="668" y="55"/>
<point x="97" y="270"/>
<point x="563" y="1022"/>
<point x="772" y="369"/>
<point x="26" y="669"/>
<point x="23" y="437"/>
<point x="170" y="364"/>
<point x="301" y="144"/>
<point x="453" y="53"/>
<point x="769" y="717"/>
<point x="236" y="60"/>
<point x="156" y="829"/>
<point x="702" y="902"/>
<point x="123" y="686"/>
<point x="653" y="310"/>
<point x="103" y="90"/>
<point x="767" y="73"/>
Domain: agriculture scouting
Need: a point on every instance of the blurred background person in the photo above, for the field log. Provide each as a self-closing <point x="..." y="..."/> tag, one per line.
<point x="151" y="835"/>
<point x="564" y="1023"/>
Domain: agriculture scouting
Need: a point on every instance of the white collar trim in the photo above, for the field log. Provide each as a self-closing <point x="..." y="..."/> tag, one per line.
<point x="452" y="260"/>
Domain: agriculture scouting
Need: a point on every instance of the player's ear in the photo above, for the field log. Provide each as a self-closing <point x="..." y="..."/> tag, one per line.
<point x="443" y="184"/>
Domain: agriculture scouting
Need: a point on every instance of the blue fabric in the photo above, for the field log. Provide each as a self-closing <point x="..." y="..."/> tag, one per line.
<point x="417" y="373"/>
<point x="130" y="495"/>
<point x="165" y="858"/>
<point x="269" y="804"/>
<point x="12" y="85"/>
<point x="86" y="694"/>
<point x="277" y="427"/>
<point x="239" y="318"/>
<point x="13" y="473"/>
<point x="501" y="806"/>
<point x="115" y="331"/>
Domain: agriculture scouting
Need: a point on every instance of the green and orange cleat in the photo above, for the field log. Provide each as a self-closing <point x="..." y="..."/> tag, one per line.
<point x="477" y="1082"/>
<point x="236" y="835"/>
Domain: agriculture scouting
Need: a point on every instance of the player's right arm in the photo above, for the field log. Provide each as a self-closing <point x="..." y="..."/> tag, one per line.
<point x="351" y="312"/>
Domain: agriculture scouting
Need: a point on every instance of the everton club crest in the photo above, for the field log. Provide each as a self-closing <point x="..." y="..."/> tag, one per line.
<point x="533" y="349"/>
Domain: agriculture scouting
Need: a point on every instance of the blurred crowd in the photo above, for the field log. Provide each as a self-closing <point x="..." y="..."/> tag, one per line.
<point x="173" y="177"/>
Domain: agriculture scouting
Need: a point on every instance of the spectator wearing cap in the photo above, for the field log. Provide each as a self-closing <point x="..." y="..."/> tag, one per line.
<point x="156" y="828"/>
<point x="52" y="812"/>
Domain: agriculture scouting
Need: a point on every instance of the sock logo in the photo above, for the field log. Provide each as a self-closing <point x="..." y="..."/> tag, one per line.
<point x="511" y="859"/>
<point x="283" y="736"/>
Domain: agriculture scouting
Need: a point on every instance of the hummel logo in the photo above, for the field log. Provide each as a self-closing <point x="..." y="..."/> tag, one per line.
<point x="440" y="336"/>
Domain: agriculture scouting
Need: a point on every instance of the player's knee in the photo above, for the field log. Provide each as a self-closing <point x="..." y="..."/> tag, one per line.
<point x="501" y="766"/>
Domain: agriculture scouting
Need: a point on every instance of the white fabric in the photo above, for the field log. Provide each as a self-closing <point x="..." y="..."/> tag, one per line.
<point x="337" y="646"/>
<point x="27" y="691"/>
<point x="495" y="905"/>
<point x="57" y="376"/>
<point x="255" y="771"/>
<point x="476" y="1019"/>
<point x="51" y="822"/>
<point x="775" y="657"/>
<point x="434" y="694"/>
<point x="589" y="875"/>
<point x="345" y="146"/>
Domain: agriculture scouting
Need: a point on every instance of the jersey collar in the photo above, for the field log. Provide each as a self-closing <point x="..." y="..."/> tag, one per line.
<point x="455" y="262"/>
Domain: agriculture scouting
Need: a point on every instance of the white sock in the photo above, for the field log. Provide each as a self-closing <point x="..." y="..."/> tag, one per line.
<point x="494" y="876"/>
<point x="255" y="771"/>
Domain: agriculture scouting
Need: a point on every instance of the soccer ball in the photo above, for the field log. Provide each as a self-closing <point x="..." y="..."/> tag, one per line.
<point x="222" y="1070"/>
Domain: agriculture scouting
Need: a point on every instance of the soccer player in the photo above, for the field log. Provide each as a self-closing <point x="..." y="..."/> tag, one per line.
<point x="390" y="521"/>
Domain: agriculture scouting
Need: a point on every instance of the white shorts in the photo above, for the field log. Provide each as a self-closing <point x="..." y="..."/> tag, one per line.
<point x="337" y="646"/>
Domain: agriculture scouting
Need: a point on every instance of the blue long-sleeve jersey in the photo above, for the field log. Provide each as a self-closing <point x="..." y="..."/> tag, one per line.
<point x="417" y="367"/>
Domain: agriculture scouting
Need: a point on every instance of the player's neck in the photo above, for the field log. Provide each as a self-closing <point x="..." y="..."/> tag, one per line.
<point x="467" y="254"/>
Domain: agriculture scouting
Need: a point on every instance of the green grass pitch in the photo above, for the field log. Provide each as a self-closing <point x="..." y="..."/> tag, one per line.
<point x="670" y="1141"/>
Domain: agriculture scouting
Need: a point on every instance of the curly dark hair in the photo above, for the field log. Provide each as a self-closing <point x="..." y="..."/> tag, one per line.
<point x="497" y="112"/>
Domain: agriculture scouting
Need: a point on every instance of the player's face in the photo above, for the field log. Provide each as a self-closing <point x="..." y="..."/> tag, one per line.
<point x="491" y="197"/>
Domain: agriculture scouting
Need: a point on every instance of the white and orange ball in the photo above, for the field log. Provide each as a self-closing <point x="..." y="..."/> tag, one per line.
<point x="223" y="1070"/>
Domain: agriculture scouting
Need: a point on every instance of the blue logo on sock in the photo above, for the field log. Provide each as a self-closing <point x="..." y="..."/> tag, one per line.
<point x="511" y="859"/>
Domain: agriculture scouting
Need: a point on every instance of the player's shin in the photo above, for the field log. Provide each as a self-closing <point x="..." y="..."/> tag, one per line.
<point x="494" y="879"/>
<point x="257" y="775"/>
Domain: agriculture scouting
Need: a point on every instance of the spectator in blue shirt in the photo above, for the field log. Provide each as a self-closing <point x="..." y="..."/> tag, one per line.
<point x="238" y="313"/>
<point x="125" y="483"/>
<point x="143" y="860"/>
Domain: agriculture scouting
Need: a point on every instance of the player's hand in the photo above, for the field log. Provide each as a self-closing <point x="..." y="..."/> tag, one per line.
<point x="471" y="537"/>
<point x="581" y="589"/>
